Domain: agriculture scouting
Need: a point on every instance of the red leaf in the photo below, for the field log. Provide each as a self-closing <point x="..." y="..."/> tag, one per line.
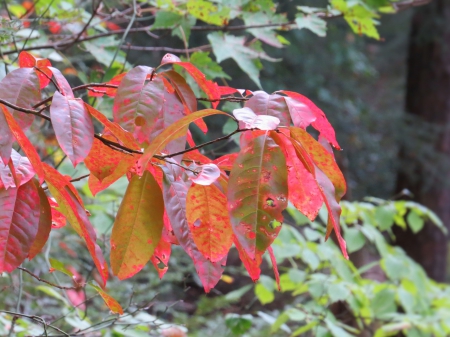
<point x="209" y="272"/>
<point x="257" y="194"/>
<point x="226" y="161"/>
<point x="304" y="193"/>
<point x="322" y="158"/>
<point x="21" y="87"/>
<point x="62" y="83"/>
<point x="224" y="90"/>
<point x="210" y="88"/>
<point x="25" y="144"/>
<point x="138" y="226"/>
<point x="209" y="223"/>
<point x="19" y="218"/>
<point x="73" y="127"/>
<point x="273" y="105"/>
<point x="26" y="60"/>
<point x="174" y="131"/>
<point x="71" y="207"/>
<point x="6" y="140"/>
<point x="45" y="223"/>
<point x="301" y="114"/>
<point x="111" y="92"/>
<point x="252" y="265"/>
<point x="58" y="220"/>
<point x="321" y="123"/>
<point x="161" y="256"/>
<point x="137" y="105"/>
<point x="274" y="266"/>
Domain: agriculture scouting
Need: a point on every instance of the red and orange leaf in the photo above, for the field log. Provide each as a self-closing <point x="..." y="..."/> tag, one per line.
<point x="45" y="223"/>
<point x="26" y="60"/>
<point x="275" y="267"/>
<point x="25" y="144"/>
<point x="73" y="127"/>
<point x="102" y="161"/>
<point x="161" y="256"/>
<point x="58" y="220"/>
<point x="322" y="158"/>
<point x="70" y="206"/>
<point x="62" y="83"/>
<point x="226" y="161"/>
<point x="206" y="208"/>
<point x="304" y="193"/>
<point x="19" y="218"/>
<point x="252" y="265"/>
<point x="210" y="88"/>
<point x="110" y="302"/>
<point x="125" y="138"/>
<point x="138" y="226"/>
<point x="110" y="91"/>
<point x="257" y="194"/>
<point x="21" y="87"/>
<point x="174" y="131"/>
<point x="321" y="123"/>
<point x="273" y="105"/>
<point x="137" y="105"/>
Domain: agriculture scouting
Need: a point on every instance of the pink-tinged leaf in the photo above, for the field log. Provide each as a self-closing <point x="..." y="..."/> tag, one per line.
<point x="252" y="121"/>
<point x="62" y="83"/>
<point x="257" y="194"/>
<point x="58" y="220"/>
<point x="170" y="58"/>
<point x="19" y="218"/>
<point x="322" y="158"/>
<point x="21" y="87"/>
<point x="273" y="105"/>
<point x="186" y="95"/>
<point x="210" y="88"/>
<point x="137" y="105"/>
<point x="138" y="226"/>
<point x="321" y="123"/>
<point x="6" y="140"/>
<point x="274" y="266"/>
<point x="73" y="127"/>
<point x="161" y="256"/>
<point x="183" y="89"/>
<point x="104" y="162"/>
<point x="209" y="272"/>
<point x="26" y="60"/>
<point x="45" y="223"/>
<point x="124" y="137"/>
<point x="23" y="171"/>
<point x="25" y="144"/>
<point x="252" y="265"/>
<point x="226" y="161"/>
<point x="70" y="206"/>
<point x="110" y="302"/>
<point x="208" y="174"/>
<point x="209" y="223"/>
<point x="174" y="131"/>
<point x="301" y="114"/>
<point x="304" y="193"/>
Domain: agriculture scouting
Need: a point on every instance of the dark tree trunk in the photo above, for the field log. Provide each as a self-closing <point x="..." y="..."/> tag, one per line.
<point x="428" y="100"/>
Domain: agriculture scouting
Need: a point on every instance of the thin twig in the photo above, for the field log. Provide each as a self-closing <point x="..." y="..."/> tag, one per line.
<point x="37" y="319"/>
<point x="48" y="282"/>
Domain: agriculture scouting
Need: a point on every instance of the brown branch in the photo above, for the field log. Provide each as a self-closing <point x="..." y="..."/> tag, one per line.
<point x="25" y="110"/>
<point x="402" y="5"/>
<point x="94" y="13"/>
<point x="50" y="283"/>
<point x="37" y="319"/>
<point x="167" y="49"/>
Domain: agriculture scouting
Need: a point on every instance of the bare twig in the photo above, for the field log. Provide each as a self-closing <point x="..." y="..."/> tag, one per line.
<point x="36" y="319"/>
<point x="50" y="283"/>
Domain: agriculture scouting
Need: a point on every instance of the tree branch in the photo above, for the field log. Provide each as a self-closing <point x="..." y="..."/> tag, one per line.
<point x="48" y="282"/>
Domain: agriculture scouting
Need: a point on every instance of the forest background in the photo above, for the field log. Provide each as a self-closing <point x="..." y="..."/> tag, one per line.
<point x="386" y="96"/>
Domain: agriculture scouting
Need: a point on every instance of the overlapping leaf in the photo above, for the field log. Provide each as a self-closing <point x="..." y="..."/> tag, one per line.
<point x="161" y="256"/>
<point x="71" y="207"/>
<point x="209" y="223"/>
<point x="273" y="105"/>
<point x="26" y="60"/>
<point x="23" y="171"/>
<point x="138" y="226"/>
<point x="19" y="221"/>
<point x="257" y="194"/>
<point x="73" y="126"/>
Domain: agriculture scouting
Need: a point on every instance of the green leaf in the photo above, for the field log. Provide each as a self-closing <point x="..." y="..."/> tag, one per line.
<point x="313" y="23"/>
<point x="305" y="328"/>
<point x="354" y="238"/>
<point x="207" y="12"/>
<point x="264" y="295"/>
<point x="59" y="266"/>
<point x="138" y="226"/>
<point x="164" y="19"/>
<point x="228" y="46"/>
<point x="384" y="215"/>
<point x="210" y="68"/>
<point x="238" y="324"/>
<point x="415" y="221"/>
